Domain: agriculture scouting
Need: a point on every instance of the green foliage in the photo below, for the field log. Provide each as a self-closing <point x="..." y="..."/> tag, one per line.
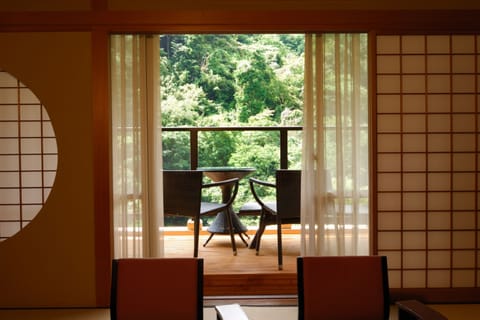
<point x="176" y="150"/>
<point x="221" y="80"/>
<point x="215" y="148"/>
<point x="239" y="75"/>
<point x="225" y="80"/>
<point x="207" y="61"/>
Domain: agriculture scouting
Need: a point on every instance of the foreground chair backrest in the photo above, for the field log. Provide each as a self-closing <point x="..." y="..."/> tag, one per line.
<point x="350" y="288"/>
<point x="286" y="208"/>
<point x="354" y="287"/>
<point x="182" y="196"/>
<point x="157" y="288"/>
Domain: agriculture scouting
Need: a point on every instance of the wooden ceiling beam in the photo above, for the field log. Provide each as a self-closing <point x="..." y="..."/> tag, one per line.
<point x="171" y="21"/>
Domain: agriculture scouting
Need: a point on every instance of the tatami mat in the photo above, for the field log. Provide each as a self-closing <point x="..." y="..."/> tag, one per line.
<point x="451" y="311"/>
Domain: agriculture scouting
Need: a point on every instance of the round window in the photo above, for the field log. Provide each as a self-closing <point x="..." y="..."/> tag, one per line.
<point x="28" y="155"/>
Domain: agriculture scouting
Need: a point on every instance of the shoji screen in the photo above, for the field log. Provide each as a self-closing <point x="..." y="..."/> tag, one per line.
<point x="427" y="163"/>
<point x="28" y="155"/>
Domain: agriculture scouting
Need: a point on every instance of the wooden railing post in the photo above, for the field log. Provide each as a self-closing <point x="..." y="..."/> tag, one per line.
<point x="193" y="149"/>
<point x="283" y="148"/>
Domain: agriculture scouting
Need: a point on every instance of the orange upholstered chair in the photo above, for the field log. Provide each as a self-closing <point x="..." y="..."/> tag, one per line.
<point x="351" y="287"/>
<point x="157" y="288"/>
<point x="343" y="288"/>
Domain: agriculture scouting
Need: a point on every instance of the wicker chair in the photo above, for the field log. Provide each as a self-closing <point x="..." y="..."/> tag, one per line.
<point x="285" y="210"/>
<point x="182" y="196"/>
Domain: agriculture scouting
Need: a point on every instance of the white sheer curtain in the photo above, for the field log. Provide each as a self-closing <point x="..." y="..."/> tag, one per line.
<point x="335" y="146"/>
<point x="136" y="146"/>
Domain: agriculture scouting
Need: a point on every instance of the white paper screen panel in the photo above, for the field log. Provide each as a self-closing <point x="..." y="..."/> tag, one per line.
<point x="427" y="163"/>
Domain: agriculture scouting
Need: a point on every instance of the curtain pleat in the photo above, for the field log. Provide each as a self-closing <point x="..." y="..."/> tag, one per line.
<point x="155" y="166"/>
<point x="135" y="111"/>
<point x="335" y="136"/>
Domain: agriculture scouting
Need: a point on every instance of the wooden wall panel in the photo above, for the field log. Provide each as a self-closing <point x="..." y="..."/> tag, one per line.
<point x="45" y="5"/>
<point x="292" y="4"/>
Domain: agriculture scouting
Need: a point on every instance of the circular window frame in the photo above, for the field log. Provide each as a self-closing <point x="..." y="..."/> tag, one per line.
<point x="28" y="155"/>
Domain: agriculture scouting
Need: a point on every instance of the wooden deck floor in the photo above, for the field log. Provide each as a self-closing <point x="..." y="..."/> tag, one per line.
<point x="219" y="259"/>
<point x="246" y="273"/>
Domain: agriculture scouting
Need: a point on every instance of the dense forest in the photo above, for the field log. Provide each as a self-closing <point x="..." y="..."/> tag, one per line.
<point x="232" y="80"/>
<point x="228" y="79"/>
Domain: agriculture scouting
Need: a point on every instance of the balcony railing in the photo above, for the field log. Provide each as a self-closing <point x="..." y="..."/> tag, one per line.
<point x="283" y="131"/>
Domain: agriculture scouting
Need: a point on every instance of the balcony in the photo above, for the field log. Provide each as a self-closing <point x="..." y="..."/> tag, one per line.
<point x="241" y="274"/>
<point x="245" y="273"/>
<point x="283" y="139"/>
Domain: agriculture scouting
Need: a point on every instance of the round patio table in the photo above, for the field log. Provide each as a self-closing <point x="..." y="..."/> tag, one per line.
<point x="220" y="223"/>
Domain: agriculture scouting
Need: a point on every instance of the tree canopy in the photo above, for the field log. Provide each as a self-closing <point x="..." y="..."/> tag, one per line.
<point x="229" y="77"/>
<point x="231" y="80"/>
